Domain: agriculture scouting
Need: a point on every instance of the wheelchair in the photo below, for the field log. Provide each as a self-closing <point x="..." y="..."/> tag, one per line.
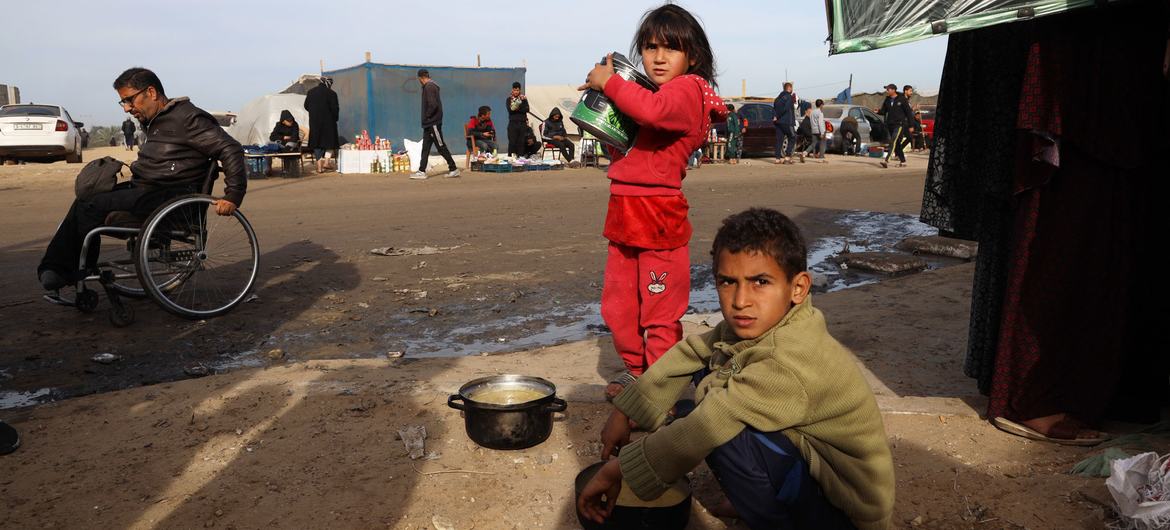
<point x="189" y="260"/>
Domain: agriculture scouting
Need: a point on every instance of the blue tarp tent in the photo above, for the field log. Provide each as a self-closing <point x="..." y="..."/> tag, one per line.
<point x="384" y="99"/>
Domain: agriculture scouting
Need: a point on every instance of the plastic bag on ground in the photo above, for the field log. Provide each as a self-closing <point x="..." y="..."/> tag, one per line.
<point x="1140" y="486"/>
<point x="413" y="150"/>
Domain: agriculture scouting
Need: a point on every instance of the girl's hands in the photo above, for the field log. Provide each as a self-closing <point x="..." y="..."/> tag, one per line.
<point x="599" y="75"/>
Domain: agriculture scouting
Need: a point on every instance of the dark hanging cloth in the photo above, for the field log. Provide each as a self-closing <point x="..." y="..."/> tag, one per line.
<point x="1067" y="250"/>
<point x="321" y="102"/>
<point x="968" y="183"/>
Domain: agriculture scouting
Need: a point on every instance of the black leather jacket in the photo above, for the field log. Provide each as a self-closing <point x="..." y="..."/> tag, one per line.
<point x="181" y="142"/>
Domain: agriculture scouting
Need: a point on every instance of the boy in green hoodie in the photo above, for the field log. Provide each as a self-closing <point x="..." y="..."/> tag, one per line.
<point x="783" y="418"/>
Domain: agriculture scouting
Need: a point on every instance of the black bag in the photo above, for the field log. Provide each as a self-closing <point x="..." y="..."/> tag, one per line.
<point x="98" y="176"/>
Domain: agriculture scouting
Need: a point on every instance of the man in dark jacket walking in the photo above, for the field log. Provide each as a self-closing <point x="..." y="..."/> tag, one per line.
<point x="432" y="123"/>
<point x="517" y="105"/>
<point x="128" y="129"/>
<point x="183" y="141"/>
<point x="785" y="121"/>
<point x="899" y="117"/>
<point x="321" y="102"/>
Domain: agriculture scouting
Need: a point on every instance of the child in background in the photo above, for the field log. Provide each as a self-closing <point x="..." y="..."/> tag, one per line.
<point x="735" y="129"/>
<point x="647" y="273"/>
<point x="784" y="417"/>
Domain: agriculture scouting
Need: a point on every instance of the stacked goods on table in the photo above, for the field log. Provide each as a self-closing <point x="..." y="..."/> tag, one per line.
<point x="377" y="156"/>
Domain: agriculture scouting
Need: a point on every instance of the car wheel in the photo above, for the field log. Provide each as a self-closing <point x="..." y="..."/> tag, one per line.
<point x="74" y="158"/>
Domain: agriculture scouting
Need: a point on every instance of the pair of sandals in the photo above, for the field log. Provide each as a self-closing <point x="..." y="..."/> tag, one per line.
<point x="1066" y="431"/>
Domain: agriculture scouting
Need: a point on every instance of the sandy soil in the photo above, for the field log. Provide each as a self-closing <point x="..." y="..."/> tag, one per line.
<point x="308" y="439"/>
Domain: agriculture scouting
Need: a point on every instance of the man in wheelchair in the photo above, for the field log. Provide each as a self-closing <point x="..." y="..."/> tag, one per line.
<point x="182" y="142"/>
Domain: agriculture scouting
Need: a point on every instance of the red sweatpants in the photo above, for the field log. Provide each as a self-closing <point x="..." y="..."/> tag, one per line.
<point x="645" y="293"/>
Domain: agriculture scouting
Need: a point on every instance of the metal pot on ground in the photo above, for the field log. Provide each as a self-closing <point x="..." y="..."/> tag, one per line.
<point x="507" y="426"/>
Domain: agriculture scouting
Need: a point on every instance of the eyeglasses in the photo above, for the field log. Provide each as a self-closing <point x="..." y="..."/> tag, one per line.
<point x="129" y="100"/>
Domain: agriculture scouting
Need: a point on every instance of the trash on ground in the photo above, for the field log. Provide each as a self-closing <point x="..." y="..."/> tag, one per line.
<point x="1140" y="486"/>
<point x="106" y="358"/>
<point x="1099" y="464"/>
<point x="197" y="370"/>
<point x="413" y="437"/>
<point x="409" y="251"/>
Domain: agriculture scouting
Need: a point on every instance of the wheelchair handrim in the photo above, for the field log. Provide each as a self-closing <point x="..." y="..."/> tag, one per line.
<point x="163" y="296"/>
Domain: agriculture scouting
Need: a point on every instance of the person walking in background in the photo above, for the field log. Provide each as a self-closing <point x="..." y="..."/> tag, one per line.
<point x="128" y="129"/>
<point x="321" y="103"/>
<point x="517" y="105"/>
<point x="898" y="115"/>
<point x="784" y="119"/>
<point x="432" y="124"/>
<point x="816" y="133"/>
<point x="735" y="130"/>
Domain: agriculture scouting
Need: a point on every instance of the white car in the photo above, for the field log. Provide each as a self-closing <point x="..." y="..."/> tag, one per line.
<point x="39" y="132"/>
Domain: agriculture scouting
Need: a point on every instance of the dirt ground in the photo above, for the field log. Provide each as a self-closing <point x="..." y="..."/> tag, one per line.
<point x="308" y="439"/>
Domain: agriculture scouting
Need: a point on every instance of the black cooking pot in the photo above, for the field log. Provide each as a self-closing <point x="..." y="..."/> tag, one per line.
<point x="512" y="426"/>
<point x="674" y="517"/>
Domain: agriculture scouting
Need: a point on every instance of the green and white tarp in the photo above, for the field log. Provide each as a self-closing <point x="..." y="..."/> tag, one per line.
<point x="860" y="25"/>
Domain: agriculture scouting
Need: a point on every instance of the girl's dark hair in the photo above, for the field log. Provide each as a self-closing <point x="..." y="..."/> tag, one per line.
<point x="766" y="231"/>
<point x="676" y="28"/>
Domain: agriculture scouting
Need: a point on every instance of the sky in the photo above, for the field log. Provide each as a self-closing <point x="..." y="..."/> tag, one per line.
<point x="223" y="53"/>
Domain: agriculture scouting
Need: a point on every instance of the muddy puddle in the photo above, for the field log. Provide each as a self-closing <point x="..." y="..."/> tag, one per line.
<point x="861" y="231"/>
<point x="508" y="321"/>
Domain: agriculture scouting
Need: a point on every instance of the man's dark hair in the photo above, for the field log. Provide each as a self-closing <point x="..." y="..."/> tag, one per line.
<point x="423" y="72"/>
<point x="907" y="87"/>
<point x="820" y="103"/>
<point x="484" y="110"/>
<point x="515" y="84"/>
<point x="139" y="78"/>
<point x="787" y="84"/>
<point x="763" y="230"/>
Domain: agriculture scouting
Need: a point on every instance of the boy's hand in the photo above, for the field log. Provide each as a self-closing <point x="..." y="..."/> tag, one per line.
<point x="599" y="75"/>
<point x="607" y="481"/>
<point x="616" y="433"/>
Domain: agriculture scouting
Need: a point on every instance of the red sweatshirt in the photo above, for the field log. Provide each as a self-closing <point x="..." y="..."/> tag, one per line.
<point x="646" y="205"/>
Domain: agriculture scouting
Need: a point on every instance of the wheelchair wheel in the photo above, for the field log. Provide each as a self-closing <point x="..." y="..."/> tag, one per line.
<point x="194" y="263"/>
<point x="119" y="259"/>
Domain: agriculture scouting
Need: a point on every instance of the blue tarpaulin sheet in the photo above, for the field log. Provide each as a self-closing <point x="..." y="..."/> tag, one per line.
<point x="385" y="100"/>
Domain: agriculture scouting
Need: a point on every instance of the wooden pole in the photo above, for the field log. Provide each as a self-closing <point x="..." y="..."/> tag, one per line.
<point x="367" y="57"/>
<point x="743" y="88"/>
<point x="477" y="61"/>
<point x="322" y="65"/>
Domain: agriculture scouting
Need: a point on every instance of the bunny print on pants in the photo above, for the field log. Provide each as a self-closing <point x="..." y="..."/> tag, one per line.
<point x="656" y="283"/>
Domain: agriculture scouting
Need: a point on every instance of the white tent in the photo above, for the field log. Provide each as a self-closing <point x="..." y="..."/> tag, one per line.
<point x="256" y="119"/>
<point x="542" y="99"/>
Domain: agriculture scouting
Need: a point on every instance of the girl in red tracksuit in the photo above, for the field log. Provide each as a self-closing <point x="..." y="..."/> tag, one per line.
<point x="647" y="274"/>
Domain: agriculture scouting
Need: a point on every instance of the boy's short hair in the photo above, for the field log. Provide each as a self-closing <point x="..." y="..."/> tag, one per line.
<point x="515" y="84"/>
<point x="763" y="230"/>
<point x="484" y="110"/>
<point x="820" y="103"/>
<point x="787" y="84"/>
<point x="730" y="107"/>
